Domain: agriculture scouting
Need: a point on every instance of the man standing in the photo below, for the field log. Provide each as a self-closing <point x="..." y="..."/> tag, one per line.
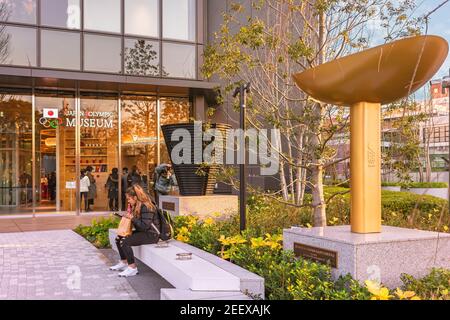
<point x="124" y="186"/>
<point x="92" y="187"/>
<point x="163" y="180"/>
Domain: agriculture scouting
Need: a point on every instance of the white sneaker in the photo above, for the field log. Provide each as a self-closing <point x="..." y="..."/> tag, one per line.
<point x="129" y="272"/>
<point x="119" y="267"/>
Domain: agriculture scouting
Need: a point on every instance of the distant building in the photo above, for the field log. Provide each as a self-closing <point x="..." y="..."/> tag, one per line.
<point x="434" y="135"/>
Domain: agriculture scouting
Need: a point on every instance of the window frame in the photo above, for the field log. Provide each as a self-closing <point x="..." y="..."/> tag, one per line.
<point x="39" y="27"/>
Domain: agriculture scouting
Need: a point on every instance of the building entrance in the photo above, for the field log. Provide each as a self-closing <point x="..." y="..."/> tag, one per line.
<point x="50" y="140"/>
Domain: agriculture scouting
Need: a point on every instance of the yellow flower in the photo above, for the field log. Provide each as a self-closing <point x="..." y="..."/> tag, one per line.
<point x="238" y="239"/>
<point x="272" y="241"/>
<point x="191" y="221"/>
<point x="257" y="242"/>
<point x="378" y="292"/>
<point x="183" y="234"/>
<point x="208" y="222"/>
<point x="333" y="221"/>
<point x="224" y="240"/>
<point x="445" y="228"/>
<point x="404" y="295"/>
<point x="309" y="226"/>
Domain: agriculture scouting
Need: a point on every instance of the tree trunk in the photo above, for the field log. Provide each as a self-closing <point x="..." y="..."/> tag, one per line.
<point x="319" y="206"/>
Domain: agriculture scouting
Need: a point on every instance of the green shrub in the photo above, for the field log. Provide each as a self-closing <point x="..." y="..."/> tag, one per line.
<point x="425" y="185"/>
<point x="434" y="286"/>
<point x="391" y="184"/>
<point x="400" y="209"/>
<point x="98" y="232"/>
<point x="289" y="278"/>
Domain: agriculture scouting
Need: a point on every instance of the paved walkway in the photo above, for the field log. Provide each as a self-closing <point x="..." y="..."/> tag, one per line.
<point x="57" y="265"/>
<point x="41" y="223"/>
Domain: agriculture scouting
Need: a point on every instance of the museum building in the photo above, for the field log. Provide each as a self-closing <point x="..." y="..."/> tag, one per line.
<point x="88" y="83"/>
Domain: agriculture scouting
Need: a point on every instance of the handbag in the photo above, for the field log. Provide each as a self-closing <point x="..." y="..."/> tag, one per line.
<point x="124" y="229"/>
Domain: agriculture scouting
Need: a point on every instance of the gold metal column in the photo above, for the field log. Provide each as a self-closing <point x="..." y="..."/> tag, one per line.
<point x="365" y="167"/>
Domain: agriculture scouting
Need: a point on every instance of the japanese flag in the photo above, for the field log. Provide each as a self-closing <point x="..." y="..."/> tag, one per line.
<point x="50" y="113"/>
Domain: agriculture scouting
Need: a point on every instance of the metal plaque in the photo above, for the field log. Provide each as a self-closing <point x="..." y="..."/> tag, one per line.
<point x="168" y="206"/>
<point x="316" y="254"/>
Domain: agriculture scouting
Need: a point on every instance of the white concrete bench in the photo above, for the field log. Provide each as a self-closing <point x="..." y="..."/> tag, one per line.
<point x="206" y="276"/>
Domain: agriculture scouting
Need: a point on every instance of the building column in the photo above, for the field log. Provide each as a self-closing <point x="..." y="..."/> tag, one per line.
<point x="200" y="106"/>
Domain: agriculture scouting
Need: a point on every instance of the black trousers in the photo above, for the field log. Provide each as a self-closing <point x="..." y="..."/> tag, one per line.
<point x="136" y="239"/>
<point x="86" y="201"/>
<point x="113" y="204"/>
<point x="124" y="201"/>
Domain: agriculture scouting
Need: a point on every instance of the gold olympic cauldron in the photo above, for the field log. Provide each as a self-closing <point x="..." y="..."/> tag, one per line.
<point x="364" y="81"/>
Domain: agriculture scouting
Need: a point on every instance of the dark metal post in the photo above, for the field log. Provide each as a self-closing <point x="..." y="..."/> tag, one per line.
<point x="242" y="91"/>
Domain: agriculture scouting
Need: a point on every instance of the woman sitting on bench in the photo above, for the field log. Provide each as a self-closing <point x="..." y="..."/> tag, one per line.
<point x="144" y="219"/>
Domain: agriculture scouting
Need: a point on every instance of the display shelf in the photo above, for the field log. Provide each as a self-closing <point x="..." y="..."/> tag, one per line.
<point x="87" y="164"/>
<point x="89" y="156"/>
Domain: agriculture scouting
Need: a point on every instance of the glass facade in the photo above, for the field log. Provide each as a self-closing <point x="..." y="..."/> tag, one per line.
<point x="60" y="49"/>
<point x="18" y="46"/>
<point x="102" y="53"/>
<point x="179" y="60"/>
<point x="54" y="125"/>
<point x="21" y="11"/>
<point x="16" y="151"/>
<point x="152" y="38"/>
<point x="142" y="18"/>
<point x="102" y="15"/>
<point x="179" y="19"/>
<point x="112" y="133"/>
<point x="61" y="13"/>
<point x="142" y="57"/>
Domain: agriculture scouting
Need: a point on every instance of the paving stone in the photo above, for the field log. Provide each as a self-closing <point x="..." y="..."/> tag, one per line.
<point x="56" y="265"/>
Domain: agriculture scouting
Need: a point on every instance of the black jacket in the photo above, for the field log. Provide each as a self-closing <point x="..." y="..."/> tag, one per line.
<point x="144" y="222"/>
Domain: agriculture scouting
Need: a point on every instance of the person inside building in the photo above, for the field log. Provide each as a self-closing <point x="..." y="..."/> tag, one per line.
<point x="112" y="186"/>
<point x="134" y="177"/>
<point x="124" y="187"/>
<point x="92" y="187"/>
<point x="145" y="221"/>
<point x="163" y="180"/>
<point x="52" y="186"/>
<point x="84" y="189"/>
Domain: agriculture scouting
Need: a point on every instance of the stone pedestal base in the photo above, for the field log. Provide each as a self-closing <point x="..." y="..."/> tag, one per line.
<point x="201" y="206"/>
<point x="380" y="256"/>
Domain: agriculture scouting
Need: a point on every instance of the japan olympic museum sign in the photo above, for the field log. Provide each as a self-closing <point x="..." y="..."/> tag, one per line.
<point x="88" y="119"/>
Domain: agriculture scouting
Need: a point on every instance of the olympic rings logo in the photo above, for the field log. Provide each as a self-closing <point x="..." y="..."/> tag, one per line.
<point x="51" y="123"/>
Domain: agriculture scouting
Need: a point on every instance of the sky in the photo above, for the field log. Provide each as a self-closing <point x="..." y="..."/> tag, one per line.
<point x="438" y="24"/>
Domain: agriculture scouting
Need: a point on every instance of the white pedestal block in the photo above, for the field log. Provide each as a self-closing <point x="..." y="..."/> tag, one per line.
<point x="380" y="256"/>
<point x="201" y="206"/>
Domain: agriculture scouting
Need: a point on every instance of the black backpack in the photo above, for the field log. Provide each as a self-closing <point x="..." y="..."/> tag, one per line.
<point x="166" y="225"/>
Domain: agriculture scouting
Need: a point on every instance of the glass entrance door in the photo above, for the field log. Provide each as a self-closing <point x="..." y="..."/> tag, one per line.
<point x="139" y="141"/>
<point x="16" y="158"/>
<point x="99" y="152"/>
<point x="55" y="152"/>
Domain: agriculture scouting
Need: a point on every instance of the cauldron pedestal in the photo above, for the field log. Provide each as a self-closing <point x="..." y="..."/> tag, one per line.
<point x="202" y="206"/>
